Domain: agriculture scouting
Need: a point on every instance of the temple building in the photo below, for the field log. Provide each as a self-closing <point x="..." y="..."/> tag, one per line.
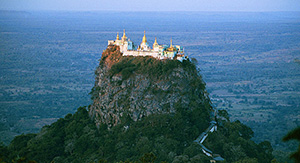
<point x="128" y="48"/>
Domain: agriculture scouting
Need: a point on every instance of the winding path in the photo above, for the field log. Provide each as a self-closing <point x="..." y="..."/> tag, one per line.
<point x="212" y="127"/>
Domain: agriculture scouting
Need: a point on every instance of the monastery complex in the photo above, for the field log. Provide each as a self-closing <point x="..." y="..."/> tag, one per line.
<point x="128" y="48"/>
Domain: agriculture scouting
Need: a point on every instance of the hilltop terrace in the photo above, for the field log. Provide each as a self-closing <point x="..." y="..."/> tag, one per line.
<point x="128" y="48"/>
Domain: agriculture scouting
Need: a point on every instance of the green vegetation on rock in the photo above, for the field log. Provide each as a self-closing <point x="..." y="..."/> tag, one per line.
<point x="294" y="134"/>
<point x="169" y="137"/>
<point x="144" y="110"/>
<point x="141" y="86"/>
<point x="155" y="69"/>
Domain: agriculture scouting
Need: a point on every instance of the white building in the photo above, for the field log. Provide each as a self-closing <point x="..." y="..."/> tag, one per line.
<point x="128" y="48"/>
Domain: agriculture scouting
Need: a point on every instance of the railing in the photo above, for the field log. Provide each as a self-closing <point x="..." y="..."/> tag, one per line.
<point x="203" y="136"/>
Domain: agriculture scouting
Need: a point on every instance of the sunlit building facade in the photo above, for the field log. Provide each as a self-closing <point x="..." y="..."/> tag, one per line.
<point x="128" y="48"/>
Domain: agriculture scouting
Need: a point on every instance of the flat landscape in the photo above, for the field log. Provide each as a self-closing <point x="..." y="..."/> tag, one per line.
<point x="249" y="61"/>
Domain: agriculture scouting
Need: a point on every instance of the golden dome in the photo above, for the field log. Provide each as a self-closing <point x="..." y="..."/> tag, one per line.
<point x="144" y="38"/>
<point x="171" y="48"/>
<point x="118" y="38"/>
<point x="124" y="35"/>
<point x="155" y="42"/>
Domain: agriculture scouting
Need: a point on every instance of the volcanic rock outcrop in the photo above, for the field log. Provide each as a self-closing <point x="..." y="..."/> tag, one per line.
<point x="140" y="86"/>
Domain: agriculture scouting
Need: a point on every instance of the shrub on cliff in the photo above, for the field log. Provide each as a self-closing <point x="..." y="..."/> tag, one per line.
<point x="179" y="110"/>
<point x="168" y="137"/>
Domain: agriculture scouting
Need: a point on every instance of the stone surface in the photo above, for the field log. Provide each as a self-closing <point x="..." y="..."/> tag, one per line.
<point x="140" y="95"/>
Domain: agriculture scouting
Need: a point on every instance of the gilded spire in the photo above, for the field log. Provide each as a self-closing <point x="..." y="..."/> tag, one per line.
<point x="155" y="43"/>
<point x="124" y="38"/>
<point x="118" y="38"/>
<point x="144" y="38"/>
<point x="171" y="48"/>
<point x="124" y="35"/>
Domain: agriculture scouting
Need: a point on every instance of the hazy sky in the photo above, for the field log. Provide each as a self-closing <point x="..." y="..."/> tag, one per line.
<point x="153" y="5"/>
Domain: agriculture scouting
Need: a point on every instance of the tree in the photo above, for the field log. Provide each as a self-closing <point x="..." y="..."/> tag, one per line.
<point x="3" y="152"/>
<point x="294" y="134"/>
<point x="148" y="158"/>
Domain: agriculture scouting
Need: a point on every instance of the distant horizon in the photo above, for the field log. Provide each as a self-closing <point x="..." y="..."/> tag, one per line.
<point x="153" y="5"/>
<point x="91" y="11"/>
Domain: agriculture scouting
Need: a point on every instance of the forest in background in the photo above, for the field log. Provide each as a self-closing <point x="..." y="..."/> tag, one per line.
<point x="249" y="64"/>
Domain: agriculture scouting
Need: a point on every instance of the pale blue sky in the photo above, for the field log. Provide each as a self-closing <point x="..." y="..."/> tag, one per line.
<point x="153" y="5"/>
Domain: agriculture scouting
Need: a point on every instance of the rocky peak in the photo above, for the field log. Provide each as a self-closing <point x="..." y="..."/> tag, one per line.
<point x="141" y="86"/>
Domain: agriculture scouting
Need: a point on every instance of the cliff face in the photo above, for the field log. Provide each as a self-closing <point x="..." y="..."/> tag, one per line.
<point x="157" y="107"/>
<point x="141" y="86"/>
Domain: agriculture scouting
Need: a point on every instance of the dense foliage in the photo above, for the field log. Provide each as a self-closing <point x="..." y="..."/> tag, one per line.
<point x="159" y="137"/>
<point x="294" y="134"/>
<point x="232" y="141"/>
<point x="139" y="86"/>
<point x="43" y="55"/>
<point x="149" y="66"/>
